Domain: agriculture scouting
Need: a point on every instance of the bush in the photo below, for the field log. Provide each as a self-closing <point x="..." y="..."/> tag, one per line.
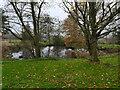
<point x="102" y="53"/>
<point x="84" y="54"/>
<point x="58" y="40"/>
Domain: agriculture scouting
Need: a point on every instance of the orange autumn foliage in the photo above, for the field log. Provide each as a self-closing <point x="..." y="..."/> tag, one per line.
<point x="74" y="36"/>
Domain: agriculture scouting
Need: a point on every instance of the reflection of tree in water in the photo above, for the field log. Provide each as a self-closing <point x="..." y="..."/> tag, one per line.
<point x="49" y="50"/>
<point x="57" y="50"/>
<point x="27" y="54"/>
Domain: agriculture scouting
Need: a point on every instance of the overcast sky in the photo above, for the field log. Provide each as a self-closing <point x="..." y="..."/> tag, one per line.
<point x="54" y="10"/>
<point x="1" y="3"/>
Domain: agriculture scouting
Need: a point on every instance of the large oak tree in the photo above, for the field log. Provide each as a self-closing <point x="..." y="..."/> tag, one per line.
<point x="95" y="19"/>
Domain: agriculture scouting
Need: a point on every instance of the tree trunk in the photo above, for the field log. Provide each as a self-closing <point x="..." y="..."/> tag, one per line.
<point x="37" y="47"/>
<point x="92" y="39"/>
<point x="37" y="51"/>
<point x="48" y="52"/>
<point x="93" y="50"/>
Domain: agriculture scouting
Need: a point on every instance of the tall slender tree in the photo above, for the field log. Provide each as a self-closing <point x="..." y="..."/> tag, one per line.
<point x="22" y="13"/>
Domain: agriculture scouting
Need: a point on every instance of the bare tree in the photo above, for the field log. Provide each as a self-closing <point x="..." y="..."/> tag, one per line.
<point x="95" y="19"/>
<point x="24" y="14"/>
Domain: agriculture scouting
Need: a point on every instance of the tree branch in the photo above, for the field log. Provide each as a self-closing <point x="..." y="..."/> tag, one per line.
<point x="20" y="18"/>
<point x="13" y="33"/>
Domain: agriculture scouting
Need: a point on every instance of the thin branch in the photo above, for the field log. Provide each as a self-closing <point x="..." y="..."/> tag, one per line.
<point x="21" y="20"/>
<point x="13" y="33"/>
<point x="76" y="19"/>
<point x="38" y="20"/>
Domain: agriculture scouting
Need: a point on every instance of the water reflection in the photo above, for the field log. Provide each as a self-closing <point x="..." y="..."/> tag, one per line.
<point x="51" y="51"/>
<point x="17" y="54"/>
<point x="54" y="51"/>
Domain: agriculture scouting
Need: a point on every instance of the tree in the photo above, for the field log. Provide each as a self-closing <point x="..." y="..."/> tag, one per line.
<point x="73" y="36"/>
<point x="118" y="37"/>
<point x="4" y="22"/>
<point x="48" y="27"/>
<point x="58" y="34"/>
<point x="19" y="15"/>
<point x="95" y="20"/>
<point x="25" y="35"/>
<point x="58" y="40"/>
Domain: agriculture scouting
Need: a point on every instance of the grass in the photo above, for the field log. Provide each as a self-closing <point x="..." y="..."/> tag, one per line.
<point x="12" y="41"/>
<point x="0" y="76"/>
<point x="75" y="73"/>
<point x="110" y="46"/>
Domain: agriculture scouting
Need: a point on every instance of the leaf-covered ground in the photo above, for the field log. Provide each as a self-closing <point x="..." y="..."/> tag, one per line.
<point x="75" y="73"/>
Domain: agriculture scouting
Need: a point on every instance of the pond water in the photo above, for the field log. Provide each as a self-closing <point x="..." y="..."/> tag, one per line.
<point x="51" y="51"/>
<point x="17" y="54"/>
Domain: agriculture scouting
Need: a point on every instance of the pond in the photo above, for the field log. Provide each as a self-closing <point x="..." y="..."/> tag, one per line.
<point x="51" y="51"/>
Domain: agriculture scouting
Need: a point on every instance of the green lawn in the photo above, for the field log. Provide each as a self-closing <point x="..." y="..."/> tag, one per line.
<point x="79" y="73"/>
<point x="110" y="46"/>
<point x="12" y="41"/>
<point x="0" y="75"/>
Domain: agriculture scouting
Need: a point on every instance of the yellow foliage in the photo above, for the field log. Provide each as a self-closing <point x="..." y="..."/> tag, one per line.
<point x="83" y="3"/>
<point x="72" y="7"/>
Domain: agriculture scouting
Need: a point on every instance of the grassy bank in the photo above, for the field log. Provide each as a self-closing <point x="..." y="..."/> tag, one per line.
<point x="73" y="73"/>
<point x="110" y="46"/>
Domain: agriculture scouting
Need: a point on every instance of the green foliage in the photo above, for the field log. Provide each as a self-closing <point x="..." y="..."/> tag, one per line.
<point x="118" y="36"/>
<point x="61" y="73"/>
<point x="58" y="40"/>
<point x="14" y="41"/>
<point x="4" y="23"/>
<point x="45" y="43"/>
<point x="110" y="46"/>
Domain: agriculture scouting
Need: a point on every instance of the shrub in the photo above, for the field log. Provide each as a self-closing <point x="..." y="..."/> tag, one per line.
<point x="84" y="54"/>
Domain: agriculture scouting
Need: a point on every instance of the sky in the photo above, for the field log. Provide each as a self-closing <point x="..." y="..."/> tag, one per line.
<point x="56" y="11"/>
<point x="53" y="11"/>
<point x="1" y="3"/>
